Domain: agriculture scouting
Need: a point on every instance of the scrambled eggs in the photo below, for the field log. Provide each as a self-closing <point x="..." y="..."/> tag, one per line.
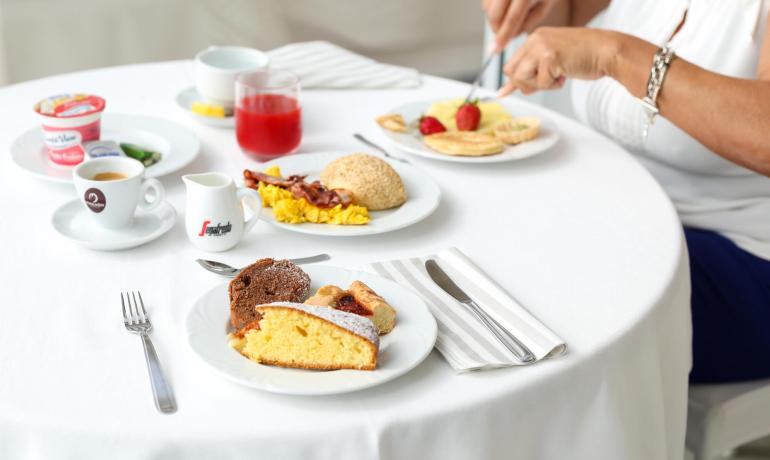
<point x="291" y="210"/>
<point x="491" y="113"/>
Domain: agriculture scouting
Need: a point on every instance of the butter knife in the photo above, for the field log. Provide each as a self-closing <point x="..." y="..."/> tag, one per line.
<point x="514" y="345"/>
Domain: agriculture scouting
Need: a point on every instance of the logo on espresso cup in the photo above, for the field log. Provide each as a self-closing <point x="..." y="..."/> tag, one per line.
<point x="95" y="200"/>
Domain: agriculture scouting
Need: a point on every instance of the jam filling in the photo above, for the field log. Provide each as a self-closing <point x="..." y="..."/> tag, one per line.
<point x="348" y="303"/>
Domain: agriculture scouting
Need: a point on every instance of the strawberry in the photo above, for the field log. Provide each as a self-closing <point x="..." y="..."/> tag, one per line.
<point x="431" y="125"/>
<point x="468" y="116"/>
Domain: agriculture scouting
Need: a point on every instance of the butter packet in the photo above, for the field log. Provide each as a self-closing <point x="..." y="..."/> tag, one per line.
<point x="100" y="149"/>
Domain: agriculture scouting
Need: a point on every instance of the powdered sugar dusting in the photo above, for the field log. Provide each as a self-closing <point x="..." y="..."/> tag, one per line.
<point x="358" y="325"/>
<point x="291" y="274"/>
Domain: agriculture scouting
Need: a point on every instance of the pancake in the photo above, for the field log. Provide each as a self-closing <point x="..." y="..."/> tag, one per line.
<point x="464" y="143"/>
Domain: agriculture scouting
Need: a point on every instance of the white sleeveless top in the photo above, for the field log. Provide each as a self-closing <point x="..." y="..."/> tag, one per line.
<point x="724" y="36"/>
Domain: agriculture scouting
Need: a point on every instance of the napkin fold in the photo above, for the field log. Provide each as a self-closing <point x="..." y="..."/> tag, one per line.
<point x="464" y="341"/>
<point x="321" y="64"/>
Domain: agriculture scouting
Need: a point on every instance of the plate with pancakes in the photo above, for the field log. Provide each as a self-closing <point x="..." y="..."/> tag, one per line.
<point x="316" y="330"/>
<point x="503" y="133"/>
<point x="342" y="193"/>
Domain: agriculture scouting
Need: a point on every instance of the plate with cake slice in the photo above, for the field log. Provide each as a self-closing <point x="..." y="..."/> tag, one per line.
<point x="317" y="330"/>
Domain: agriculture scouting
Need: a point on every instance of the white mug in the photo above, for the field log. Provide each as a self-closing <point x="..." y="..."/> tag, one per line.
<point x="216" y="68"/>
<point x="214" y="217"/>
<point x="112" y="203"/>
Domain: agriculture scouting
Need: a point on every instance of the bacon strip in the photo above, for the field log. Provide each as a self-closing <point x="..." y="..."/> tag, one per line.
<point x="315" y="193"/>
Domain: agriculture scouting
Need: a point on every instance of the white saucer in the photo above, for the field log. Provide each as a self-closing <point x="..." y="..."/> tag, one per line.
<point x="185" y="100"/>
<point x="177" y="145"/>
<point x="72" y="221"/>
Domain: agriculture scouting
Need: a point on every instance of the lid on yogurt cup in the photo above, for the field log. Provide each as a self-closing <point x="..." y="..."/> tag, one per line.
<point x="69" y="105"/>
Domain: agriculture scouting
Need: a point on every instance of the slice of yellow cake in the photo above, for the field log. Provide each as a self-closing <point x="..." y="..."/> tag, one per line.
<point x="309" y="337"/>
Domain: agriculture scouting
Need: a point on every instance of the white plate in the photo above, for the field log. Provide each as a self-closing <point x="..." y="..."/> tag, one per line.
<point x="412" y="143"/>
<point x="401" y="350"/>
<point x="423" y="196"/>
<point x="185" y="100"/>
<point x="72" y="221"/>
<point x="177" y="145"/>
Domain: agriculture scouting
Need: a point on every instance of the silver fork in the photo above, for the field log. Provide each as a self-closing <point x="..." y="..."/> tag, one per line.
<point x="137" y="322"/>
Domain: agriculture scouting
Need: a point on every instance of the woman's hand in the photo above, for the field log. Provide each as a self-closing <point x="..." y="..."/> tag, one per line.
<point x="509" y="18"/>
<point x="552" y="54"/>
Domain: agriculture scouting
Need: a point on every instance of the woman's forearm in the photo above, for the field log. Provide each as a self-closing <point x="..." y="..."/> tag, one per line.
<point x="573" y="13"/>
<point x="583" y="11"/>
<point x="730" y="116"/>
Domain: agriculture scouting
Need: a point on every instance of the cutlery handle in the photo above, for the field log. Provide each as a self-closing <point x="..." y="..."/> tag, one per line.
<point x="370" y="144"/>
<point x="380" y="149"/>
<point x="310" y="259"/>
<point x="514" y="345"/>
<point x="161" y="392"/>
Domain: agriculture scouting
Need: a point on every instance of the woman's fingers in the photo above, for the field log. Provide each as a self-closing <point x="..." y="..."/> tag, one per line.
<point x="496" y="10"/>
<point x="532" y="68"/>
<point x="512" y="22"/>
<point x="506" y="89"/>
<point x="535" y="16"/>
<point x="547" y="72"/>
<point x="525" y="76"/>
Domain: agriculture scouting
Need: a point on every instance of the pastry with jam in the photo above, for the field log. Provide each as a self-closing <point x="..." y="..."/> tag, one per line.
<point x="359" y="299"/>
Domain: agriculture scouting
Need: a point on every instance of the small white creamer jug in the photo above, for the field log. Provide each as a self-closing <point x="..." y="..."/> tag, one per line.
<point x="214" y="217"/>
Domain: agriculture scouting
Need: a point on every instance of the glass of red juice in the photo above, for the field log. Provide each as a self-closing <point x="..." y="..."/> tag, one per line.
<point x="268" y="121"/>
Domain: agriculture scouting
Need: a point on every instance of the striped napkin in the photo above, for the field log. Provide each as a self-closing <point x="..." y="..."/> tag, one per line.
<point x="325" y="65"/>
<point x="463" y="341"/>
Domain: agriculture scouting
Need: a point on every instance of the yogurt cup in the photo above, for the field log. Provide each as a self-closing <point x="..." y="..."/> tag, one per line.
<point x="67" y="121"/>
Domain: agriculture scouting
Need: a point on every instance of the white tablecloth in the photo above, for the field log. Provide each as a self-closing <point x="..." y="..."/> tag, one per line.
<point x="581" y="235"/>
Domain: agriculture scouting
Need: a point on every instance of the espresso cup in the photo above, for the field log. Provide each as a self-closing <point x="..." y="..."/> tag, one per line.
<point x="111" y="188"/>
<point x="216" y="68"/>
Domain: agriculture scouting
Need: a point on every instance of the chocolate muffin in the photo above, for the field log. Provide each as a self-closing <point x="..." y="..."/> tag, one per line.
<point x="265" y="281"/>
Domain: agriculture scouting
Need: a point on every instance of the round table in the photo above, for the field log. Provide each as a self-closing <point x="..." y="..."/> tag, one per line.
<point x="581" y="235"/>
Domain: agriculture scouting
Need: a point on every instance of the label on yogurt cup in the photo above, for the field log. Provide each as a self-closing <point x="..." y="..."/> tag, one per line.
<point x="59" y="140"/>
<point x="65" y="145"/>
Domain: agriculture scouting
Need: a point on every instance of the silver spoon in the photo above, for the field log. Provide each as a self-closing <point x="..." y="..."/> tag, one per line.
<point x="377" y="147"/>
<point x="226" y="270"/>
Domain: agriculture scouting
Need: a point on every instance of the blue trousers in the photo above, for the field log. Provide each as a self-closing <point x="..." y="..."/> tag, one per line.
<point x="730" y="310"/>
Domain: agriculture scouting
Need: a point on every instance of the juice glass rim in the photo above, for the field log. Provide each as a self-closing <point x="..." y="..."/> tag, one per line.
<point x="293" y="80"/>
